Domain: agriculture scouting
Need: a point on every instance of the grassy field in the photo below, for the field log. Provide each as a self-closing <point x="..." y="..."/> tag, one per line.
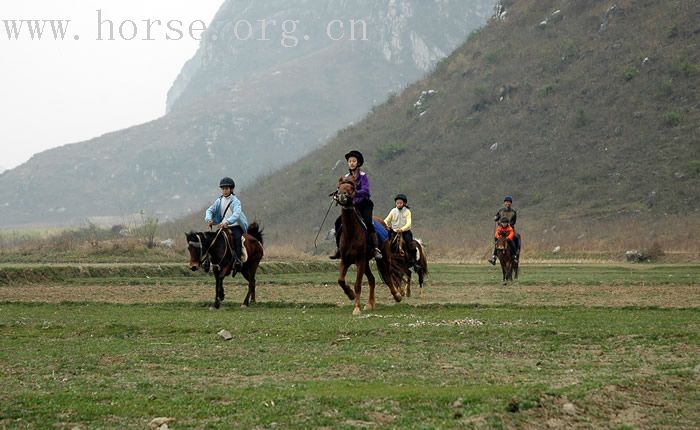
<point x="114" y="346"/>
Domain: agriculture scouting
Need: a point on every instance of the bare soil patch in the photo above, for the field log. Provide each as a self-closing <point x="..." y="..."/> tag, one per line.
<point x="663" y="296"/>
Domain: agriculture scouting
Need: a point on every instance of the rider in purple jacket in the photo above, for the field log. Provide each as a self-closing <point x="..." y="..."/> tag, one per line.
<point x="362" y="202"/>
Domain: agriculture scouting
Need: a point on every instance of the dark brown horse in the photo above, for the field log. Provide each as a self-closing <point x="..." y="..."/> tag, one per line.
<point x="506" y="257"/>
<point x="354" y="249"/>
<point x="218" y="248"/>
<point x="403" y="264"/>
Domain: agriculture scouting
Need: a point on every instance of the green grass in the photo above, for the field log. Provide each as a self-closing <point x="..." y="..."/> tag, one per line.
<point x="113" y="366"/>
<point x="298" y="360"/>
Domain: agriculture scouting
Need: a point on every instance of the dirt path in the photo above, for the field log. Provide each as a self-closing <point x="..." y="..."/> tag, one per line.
<point x="665" y="296"/>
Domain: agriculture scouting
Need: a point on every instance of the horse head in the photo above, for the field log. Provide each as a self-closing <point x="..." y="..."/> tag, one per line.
<point x="502" y="242"/>
<point x="346" y="191"/>
<point x="195" y="249"/>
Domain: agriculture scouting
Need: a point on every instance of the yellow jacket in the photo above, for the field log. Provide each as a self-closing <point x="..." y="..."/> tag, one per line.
<point x="399" y="220"/>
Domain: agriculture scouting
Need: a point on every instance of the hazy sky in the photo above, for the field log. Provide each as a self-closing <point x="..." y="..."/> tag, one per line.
<point x="54" y="92"/>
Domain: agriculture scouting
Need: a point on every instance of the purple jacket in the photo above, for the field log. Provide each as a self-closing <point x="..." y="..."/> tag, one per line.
<point x="361" y="188"/>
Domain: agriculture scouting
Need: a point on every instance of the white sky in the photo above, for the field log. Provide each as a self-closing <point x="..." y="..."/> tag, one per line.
<point x="58" y="92"/>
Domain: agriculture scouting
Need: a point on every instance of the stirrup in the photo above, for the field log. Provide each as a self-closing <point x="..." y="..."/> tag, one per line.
<point x="377" y="254"/>
<point x="492" y="260"/>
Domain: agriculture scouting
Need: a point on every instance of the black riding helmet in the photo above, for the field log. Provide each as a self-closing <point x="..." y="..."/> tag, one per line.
<point x="356" y="154"/>
<point x="401" y="197"/>
<point x="504" y="219"/>
<point x="227" y="182"/>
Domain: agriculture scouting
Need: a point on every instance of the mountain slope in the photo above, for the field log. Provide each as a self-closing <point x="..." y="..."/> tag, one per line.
<point x="587" y="112"/>
<point x="244" y="107"/>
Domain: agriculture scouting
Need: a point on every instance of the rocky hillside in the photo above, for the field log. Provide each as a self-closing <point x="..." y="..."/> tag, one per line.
<point x="588" y="112"/>
<point x="250" y="101"/>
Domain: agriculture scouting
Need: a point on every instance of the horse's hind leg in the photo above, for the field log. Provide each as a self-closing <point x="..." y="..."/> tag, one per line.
<point x="421" y="277"/>
<point x="249" y="275"/>
<point x="372" y="282"/>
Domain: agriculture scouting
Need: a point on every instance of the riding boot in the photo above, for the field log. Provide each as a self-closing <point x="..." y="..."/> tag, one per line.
<point x="237" y="263"/>
<point x="336" y="254"/>
<point x="375" y="242"/>
<point x="492" y="260"/>
<point x="206" y="265"/>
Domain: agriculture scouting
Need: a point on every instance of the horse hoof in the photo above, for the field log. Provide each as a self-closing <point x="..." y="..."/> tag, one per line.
<point x="398" y="299"/>
<point x="369" y="307"/>
<point x="244" y="306"/>
<point x="350" y="295"/>
<point x="356" y="312"/>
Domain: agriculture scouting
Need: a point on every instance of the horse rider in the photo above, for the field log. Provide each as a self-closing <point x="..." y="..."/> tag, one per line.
<point x="399" y="220"/>
<point x="361" y="200"/>
<point x="508" y="212"/>
<point x="505" y="229"/>
<point x="226" y="213"/>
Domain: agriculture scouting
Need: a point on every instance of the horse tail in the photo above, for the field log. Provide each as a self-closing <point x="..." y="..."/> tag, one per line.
<point x="256" y="231"/>
<point x="422" y="260"/>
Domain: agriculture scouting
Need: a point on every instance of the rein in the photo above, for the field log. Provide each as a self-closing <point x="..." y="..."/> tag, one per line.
<point x="398" y="237"/>
<point x="203" y="254"/>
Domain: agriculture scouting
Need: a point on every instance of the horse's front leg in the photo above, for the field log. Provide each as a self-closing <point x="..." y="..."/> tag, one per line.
<point x="218" y="291"/>
<point x="341" y="281"/>
<point x="408" y="283"/>
<point x="371" y="302"/>
<point x="358" y="287"/>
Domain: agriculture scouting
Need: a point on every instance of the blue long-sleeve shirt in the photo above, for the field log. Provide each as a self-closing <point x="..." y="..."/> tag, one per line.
<point x="237" y="216"/>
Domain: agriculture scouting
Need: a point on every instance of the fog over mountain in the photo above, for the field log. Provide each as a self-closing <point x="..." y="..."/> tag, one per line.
<point x="271" y="81"/>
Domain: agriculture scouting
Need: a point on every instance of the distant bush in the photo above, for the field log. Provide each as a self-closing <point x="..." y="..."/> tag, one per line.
<point x="672" y="118"/>
<point x="649" y="254"/>
<point x="581" y="120"/>
<point x="630" y="73"/>
<point x="492" y="57"/>
<point x="686" y="68"/>
<point x="545" y="91"/>
<point x="390" y="151"/>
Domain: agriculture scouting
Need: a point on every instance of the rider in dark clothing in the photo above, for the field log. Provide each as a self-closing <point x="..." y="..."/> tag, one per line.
<point x="508" y="212"/>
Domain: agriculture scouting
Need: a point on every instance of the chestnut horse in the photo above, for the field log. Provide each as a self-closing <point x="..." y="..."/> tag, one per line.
<point x="218" y="248"/>
<point x="354" y="249"/>
<point x="403" y="264"/>
<point x="505" y="256"/>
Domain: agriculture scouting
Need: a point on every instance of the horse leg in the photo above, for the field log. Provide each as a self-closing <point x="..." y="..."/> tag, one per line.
<point x="249" y="274"/>
<point x="372" y="282"/>
<point x="218" y="288"/>
<point x="408" y="283"/>
<point x="358" y="287"/>
<point x="420" y="282"/>
<point x="341" y="281"/>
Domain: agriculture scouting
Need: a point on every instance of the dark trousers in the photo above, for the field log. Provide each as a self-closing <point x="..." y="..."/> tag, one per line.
<point x="237" y="233"/>
<point x="365" y="209"/>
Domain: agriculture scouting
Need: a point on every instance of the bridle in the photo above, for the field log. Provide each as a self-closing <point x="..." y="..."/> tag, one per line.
<point x="204" y="254"/>
<point x="336" y="197"/>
